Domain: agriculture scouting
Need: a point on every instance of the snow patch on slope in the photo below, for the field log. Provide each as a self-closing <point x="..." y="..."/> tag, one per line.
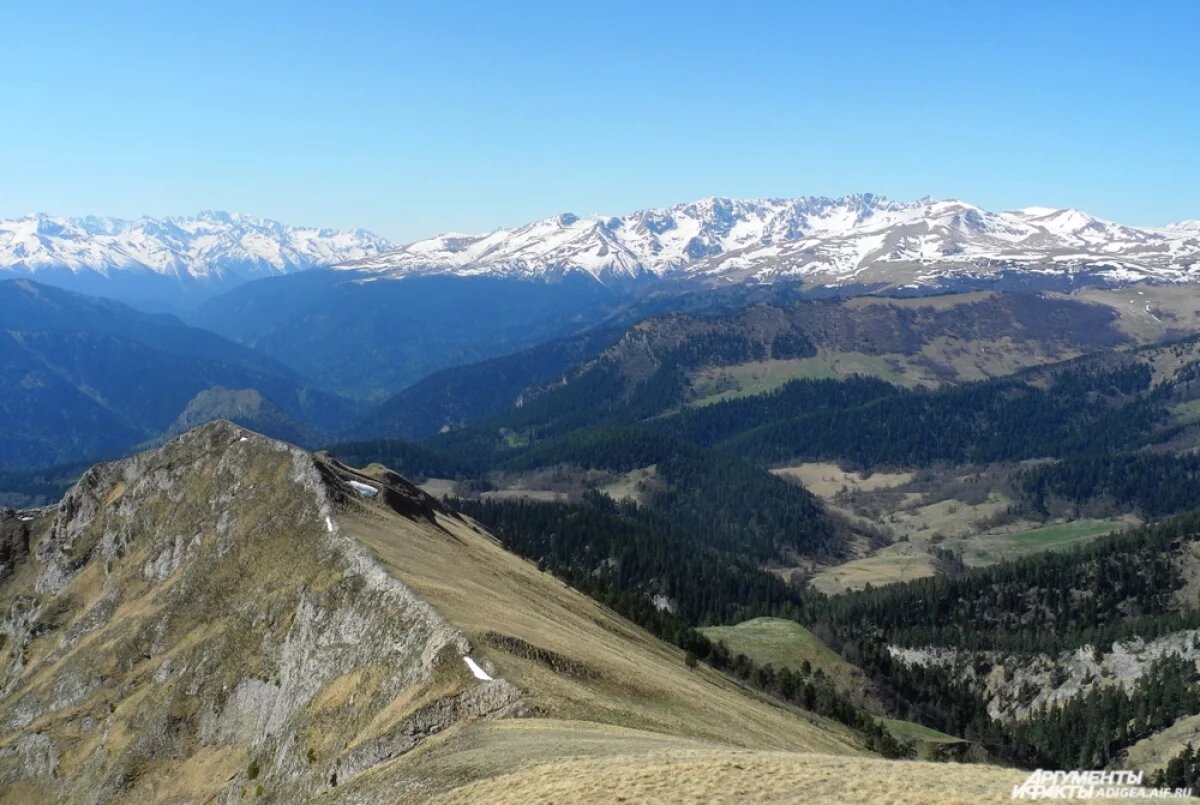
<point x="476" y="671"/>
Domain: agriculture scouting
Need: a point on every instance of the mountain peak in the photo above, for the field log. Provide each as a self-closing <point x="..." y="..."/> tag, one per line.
<point x="211" y="245"/>
<point x="862" y="238"/>
<point x="244" y="604"/>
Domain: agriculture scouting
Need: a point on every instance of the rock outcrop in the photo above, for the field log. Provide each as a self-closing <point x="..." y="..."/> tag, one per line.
<point x="191" y="623"/>
<point x="1017" y="685"/>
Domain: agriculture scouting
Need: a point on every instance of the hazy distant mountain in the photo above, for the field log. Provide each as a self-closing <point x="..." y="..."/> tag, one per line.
<point x="162" y="258"/>
<point x="358" y="336"/>
<point x="858" y="239"/>
<point x="85" y="378"/>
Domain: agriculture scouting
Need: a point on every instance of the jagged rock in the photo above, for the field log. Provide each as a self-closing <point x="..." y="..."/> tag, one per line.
<point x="1014" y="687"/>
<point x="14" y="542"/>
<point x="201" y="597"/>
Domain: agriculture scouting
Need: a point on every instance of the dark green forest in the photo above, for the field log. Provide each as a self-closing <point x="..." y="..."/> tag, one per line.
<point x="1000" y="420"/>
<point x="1152" y="484"/>
<point x="861" y="422"/>
<point x="1109" y="589"/>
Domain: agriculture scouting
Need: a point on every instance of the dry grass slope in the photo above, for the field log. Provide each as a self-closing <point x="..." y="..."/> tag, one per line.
<point x="622" y="675"/>
<point x="740" y="776"/>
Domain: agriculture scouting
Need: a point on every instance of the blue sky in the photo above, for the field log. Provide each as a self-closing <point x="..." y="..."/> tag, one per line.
<point x="411" y="120"/>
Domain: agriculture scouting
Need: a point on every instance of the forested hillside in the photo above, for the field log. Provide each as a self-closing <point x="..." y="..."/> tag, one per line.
<point x="1152" y="484"/>
<point x="724" y="340"/>
<point x="462" y="394"/>
<point x="1116" y="590"/>
<point x="980" y="422"/>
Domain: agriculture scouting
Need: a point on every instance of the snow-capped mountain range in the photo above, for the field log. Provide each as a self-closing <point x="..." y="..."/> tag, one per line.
<point x="211" y="246"/>
<point x="857" y="239"/>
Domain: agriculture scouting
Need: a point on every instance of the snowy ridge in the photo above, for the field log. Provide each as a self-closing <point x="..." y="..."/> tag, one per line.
<point x="208" y="246"/>
<point x="857" y="238"/>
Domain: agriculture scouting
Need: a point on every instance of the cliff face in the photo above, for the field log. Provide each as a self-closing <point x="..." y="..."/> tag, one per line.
<point x="192" y="624"/>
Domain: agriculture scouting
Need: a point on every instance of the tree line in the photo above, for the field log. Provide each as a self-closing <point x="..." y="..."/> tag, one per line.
<point x="1110" y="589"/>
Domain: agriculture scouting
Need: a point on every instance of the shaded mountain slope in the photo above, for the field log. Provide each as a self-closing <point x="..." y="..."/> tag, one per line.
<point x="691" y="358"/>
<point x="369" y="337"/>
<point x="29" y="306"/>
<point x="47" y="418"/>
<point x="87" y="378"/>
<point x="247" y="407"/>
<point x="464" y="394"/>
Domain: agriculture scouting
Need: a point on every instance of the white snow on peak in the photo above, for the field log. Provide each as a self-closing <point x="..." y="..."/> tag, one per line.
<point x="209" y="245"/>
<point x="862" y="238"/>
<point x="366" y="490"/>
<point x="830" y="240"/>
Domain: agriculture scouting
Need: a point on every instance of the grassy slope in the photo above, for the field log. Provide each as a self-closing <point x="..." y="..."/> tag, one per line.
<point x="920" y="521"/>
<point x="625" y="676"/>
<point x="217" y="619"/>
<point x="918" y="341"/>
<point x="786" y="643"/>
<point x="904" y="561"/>
<point x="910" y="731"/>
<point x="734" y="776"/>
<point x="1061" y="535"/>
<point x="942" y="360"/>
<point x="1150" y="312"/>
<point x="1157" y="750"/>
<point x="630" y="719"/>
<point x="782" y="643"/>
<point x="826" y="479"/>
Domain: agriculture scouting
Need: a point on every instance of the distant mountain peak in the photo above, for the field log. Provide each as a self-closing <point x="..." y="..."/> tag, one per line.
<point x="861" y="238"/>
<point x="211" y="245"/>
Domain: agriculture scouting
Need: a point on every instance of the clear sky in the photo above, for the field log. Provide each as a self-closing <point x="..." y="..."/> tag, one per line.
<point x="411" y="119"/>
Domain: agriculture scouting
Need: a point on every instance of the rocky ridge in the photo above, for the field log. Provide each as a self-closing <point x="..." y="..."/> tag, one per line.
<point x="192" y="622"/>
